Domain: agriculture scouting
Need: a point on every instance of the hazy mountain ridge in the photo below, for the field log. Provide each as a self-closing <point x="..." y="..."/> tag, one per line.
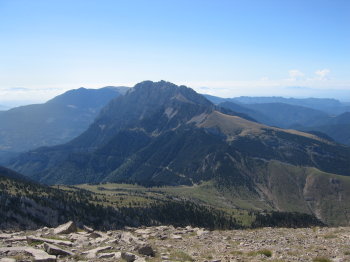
<point x="328" y="105"/>
<point x="336" y="127"/>
<point x="298" y="117"/>
<point x="3" y="108"/>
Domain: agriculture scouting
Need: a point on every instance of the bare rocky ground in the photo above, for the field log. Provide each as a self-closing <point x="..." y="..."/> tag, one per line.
<point x="167" y="243"/>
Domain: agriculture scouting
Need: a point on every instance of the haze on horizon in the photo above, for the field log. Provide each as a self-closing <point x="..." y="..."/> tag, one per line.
<point x="226" y="48"/>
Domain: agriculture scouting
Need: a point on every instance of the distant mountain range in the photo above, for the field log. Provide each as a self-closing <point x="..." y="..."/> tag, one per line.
<point x="328" y="105"/>
<point x="315" y="115"/>
<point x="54" y="122"/>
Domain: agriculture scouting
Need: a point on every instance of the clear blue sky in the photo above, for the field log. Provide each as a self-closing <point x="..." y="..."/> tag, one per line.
<point x="227" y="48"/>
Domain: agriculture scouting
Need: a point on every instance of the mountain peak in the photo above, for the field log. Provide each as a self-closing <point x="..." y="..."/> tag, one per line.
<point x="164" y="91"/>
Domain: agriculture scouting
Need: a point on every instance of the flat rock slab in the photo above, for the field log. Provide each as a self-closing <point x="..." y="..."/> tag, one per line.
<point x="176" y="237"/>
<point x="7" y="259"/>
<point x="5" y="236"/>
<point x="143" y="231"/>
<point x="39" y="255"/>
<point x="31" y="239"/>
<point x="106" y="255"/>
<point x="67" y="228"/>
<point x="93" y="252"/>
<point x="55" y="250"/>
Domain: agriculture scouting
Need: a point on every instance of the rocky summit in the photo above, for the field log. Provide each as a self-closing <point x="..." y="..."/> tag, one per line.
<point x="167" y="243"/>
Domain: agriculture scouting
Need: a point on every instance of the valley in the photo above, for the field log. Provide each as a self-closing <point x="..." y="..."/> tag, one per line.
<point x="161" y="145"/>
<point x="174" y="131"/>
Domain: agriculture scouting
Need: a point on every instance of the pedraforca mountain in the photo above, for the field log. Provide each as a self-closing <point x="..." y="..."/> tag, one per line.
<point x="159" y="133"/>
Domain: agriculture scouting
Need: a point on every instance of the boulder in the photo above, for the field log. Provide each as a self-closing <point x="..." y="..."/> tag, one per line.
<point x="146" y="250"/>
<point x="129" y="257"/>
<point x="118" y="255"/>
<point x="67" y="228"/>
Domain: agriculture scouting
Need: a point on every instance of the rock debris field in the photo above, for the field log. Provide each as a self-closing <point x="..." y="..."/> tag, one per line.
<point x="167" y="243"/>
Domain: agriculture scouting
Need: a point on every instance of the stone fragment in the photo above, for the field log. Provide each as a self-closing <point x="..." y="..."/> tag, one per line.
<point x="176" y="237"/>
<point x="201" y="232"/>
<point x="88" y="229"/>
<point x="140" y="259"/>
<point x="143" y="231"/>
<point x="69" y="227"/>
<point x="93" y="252"/>
<point x="106" y="255"/>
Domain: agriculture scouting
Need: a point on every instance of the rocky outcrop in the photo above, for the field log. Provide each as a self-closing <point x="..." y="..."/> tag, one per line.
<point x="195" y="244"/>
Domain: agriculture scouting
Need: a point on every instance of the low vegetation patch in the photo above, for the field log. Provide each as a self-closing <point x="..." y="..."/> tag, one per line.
<point x="181" y="256"/>
<point x="265" y="252"/>
<point x="321" y="259"/>
<point x="330" y="236"/>
<point x="236" y="252"/>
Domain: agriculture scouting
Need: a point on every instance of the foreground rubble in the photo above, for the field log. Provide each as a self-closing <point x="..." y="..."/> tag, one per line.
<point x="167" y="243"/>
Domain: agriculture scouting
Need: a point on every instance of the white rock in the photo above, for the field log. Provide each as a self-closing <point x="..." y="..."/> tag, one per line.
<point x="176" y="237"/>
